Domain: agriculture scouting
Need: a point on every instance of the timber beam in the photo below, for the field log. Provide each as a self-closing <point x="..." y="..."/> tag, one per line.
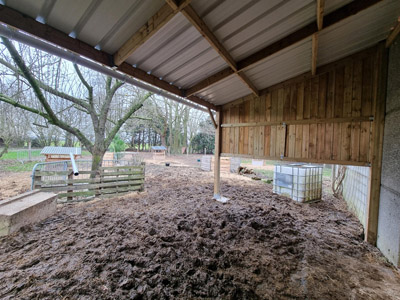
<point x="380" y="74"/>
<point x="393" y="34"/>
<point x="154" y="24"/>
<point x="307" y="31"/>
<point x="206" y="32"/>
<point x="212" y="118"/>
<point x="314" y="48"/>
<point x="45" y="32"/>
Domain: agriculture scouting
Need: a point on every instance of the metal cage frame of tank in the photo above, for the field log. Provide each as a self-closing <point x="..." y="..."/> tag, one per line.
<point x="312" y="182"/>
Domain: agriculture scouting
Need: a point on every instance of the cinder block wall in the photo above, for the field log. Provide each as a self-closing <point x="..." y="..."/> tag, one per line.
<point x="355" y="191"/>
<point x="389" y="208"/>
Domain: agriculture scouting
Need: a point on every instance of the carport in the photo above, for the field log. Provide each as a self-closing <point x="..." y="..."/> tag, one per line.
<point x="289" y="80"/>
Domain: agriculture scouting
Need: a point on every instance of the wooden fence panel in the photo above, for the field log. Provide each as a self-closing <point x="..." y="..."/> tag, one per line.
<point x="112" y="180"/>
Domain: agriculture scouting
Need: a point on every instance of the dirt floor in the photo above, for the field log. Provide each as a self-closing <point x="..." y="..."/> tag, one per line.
<point x="13" y="183"/>
<point x="173" y="241"/>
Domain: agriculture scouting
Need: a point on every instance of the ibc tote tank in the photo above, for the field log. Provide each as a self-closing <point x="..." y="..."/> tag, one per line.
<point x="300" y="182"/>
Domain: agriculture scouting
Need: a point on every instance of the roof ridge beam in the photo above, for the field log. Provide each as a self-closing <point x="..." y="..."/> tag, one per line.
<point x="332" y="18"/>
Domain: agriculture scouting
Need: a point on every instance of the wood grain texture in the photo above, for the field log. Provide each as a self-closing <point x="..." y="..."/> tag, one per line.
<point x="326" y="117"/>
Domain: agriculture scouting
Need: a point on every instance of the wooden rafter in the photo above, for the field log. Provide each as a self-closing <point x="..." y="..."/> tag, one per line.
<point x="314" y="54"/>
<point x="45" y="32"/>
<point x="199" y="24"/>
<point x="202" y="27"/>
<point x="154" y="24"/>
<point x="320" y="14"/>
<point x="178" y="5"/>
<point x="334" y="17"/>
<point x="393" y="34"/>
<point x="320" y="20"/>
<point x="248" y="82"/>
<point x="212" y="118"/>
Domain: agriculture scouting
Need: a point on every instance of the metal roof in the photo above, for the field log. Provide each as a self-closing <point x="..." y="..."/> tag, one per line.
<point x="285" y="64"/>
<point x="224" y="91"/>
<point x="359" y="32"/>
<point x="61" y="150"/>
<point x="181" y="56"/>
<point x="158" y="148"/>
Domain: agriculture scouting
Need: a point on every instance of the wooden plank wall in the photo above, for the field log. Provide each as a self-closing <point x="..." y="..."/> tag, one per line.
<point x="326" y="118"/>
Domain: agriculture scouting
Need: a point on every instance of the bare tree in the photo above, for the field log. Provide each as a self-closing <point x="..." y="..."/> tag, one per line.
<point x="104" y="129"/>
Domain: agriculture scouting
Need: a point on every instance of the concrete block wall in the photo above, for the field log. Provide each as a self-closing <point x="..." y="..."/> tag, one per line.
<point x="389" y="208"/>
<point x="355" y="191"/>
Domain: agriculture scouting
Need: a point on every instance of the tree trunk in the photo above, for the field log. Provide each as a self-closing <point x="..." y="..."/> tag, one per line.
<point x="163" y="139"/>
<point x="5" y="150"/>
<point x="97" y="160"/>
<point x="68" y="140"/>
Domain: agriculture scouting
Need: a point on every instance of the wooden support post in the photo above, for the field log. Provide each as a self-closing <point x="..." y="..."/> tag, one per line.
<point x="36" y="179"/>
<point x="217" y="156"/>
<point x="377" y="144"/>
<point x="70" y="177"/>
<point x="143" y="164"/>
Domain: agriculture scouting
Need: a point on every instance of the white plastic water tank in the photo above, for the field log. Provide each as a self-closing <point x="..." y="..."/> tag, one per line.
<point x="300" y="182"/>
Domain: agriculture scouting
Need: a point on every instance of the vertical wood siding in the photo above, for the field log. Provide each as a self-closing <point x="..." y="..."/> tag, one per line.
<point x="322" y="118"/>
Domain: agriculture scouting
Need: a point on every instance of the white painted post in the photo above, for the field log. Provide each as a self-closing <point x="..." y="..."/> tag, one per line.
<point x="217" y="160"/>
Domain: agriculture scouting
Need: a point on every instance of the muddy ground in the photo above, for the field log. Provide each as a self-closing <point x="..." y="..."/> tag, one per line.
<point x="14" y="183"/>
<point x="174" y="242"/>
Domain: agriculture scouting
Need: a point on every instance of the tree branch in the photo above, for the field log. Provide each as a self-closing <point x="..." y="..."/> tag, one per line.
<point x="51" y="116"/>
<point x="107" y="103"/>
<point x="46" y="87"/>
<point x="85" y="83"/>
<point x="14" y="103"/>
<point x="121" y="121"/>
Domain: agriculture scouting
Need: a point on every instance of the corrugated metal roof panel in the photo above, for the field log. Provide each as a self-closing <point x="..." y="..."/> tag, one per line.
<point x="108" y="23"/>
<point x="283" y="65"/>
<point x="245" y="27"/>
<point x="30" y="8"/>
<point x="158" y="148"/>
<point x="332" y="5"/>
<point x="178" y="53"/>
<point x="108" y="13"/>
<point x="224" y="91"/>
<point x="61" y="150"/>
<point x="75" y="10"/>
<point x="357" y="32"/>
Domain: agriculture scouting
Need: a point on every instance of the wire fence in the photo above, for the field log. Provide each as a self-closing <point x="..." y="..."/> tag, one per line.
<point x="26" y="155"/>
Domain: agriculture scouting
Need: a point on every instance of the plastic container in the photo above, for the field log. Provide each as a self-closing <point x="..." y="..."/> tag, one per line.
<point x="300" y="182"/>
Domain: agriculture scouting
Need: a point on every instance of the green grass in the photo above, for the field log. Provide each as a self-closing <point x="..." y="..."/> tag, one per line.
<point x="327" y="172"/>
<point x="86" y="153"/>
<point x="12" y="154"/>
<point x="18" y="167"/>
<point x="245" y="161"/>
